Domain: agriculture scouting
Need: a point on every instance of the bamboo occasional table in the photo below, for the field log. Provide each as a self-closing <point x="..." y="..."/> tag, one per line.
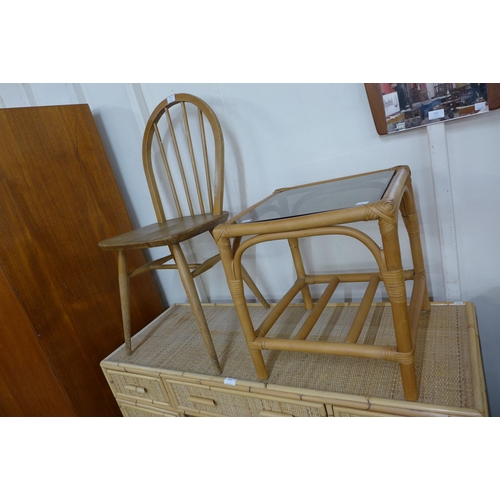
<point x="325" y="208"/>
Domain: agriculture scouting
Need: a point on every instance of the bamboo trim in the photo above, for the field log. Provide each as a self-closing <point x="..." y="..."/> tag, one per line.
<point x="292" y="396"/>
<point x="314" y="315"/>
<point x="379" y="403"/>
<point x="478" y="383"/>
<point x="338" y="402"/>
<point x="194" y="412"/>
<point x="250" y="392"/>
<point x="337" y="412"/>
<point x="151" y="410"/>
<point x="315" y="396"/>
<point x="363" y="310"/>
<point x="276" y="397"/>
<point x="201" y="401"/>
<point x="158" y="405"/>
<point x="241" y="389"/>
<point x="268" y="413"/>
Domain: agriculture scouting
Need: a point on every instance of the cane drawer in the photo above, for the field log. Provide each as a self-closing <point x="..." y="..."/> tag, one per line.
<point x="228" y="403"/>
<point x="140" y="387"/>
<point x="132" y="409"/>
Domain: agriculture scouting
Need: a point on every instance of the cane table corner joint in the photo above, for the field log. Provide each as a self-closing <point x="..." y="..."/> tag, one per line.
<point x="324" y="208"/>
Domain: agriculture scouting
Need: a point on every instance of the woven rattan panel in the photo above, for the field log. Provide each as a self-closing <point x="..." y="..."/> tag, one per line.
<point x="443" y="360"/>
<point x="235" y="404"/>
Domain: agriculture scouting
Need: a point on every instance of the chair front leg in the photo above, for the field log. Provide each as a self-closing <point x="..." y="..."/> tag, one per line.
<point x="194" y="300"/>
<point x="124" y="285"/>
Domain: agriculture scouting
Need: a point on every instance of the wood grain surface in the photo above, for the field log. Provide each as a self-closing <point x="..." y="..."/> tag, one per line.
<point x="58" y="199"/>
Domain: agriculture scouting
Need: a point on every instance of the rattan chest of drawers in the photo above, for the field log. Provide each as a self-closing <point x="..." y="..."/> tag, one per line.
<point x="169" y="372"/>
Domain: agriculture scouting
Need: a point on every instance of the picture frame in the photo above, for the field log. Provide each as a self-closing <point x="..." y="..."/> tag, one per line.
<point x="389" y="118"/>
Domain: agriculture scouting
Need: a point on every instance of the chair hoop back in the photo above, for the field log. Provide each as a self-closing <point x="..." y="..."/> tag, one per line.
<point x="178" y="129"/>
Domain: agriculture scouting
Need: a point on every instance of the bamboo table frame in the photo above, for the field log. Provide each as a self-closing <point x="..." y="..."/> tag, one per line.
<point x="397" y="197"/>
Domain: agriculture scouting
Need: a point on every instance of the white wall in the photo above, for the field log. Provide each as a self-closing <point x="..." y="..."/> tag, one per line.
<point x="280" y="135"/>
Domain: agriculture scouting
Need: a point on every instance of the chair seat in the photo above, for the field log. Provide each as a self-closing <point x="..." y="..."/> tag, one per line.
<point x="164" y="233"/>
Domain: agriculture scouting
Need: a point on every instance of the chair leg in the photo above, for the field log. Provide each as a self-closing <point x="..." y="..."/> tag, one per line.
<point x="124" y="284"/>
<point x="194" y="300"/>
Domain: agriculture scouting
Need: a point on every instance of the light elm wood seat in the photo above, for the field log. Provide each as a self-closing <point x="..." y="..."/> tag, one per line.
<point x="182" y="132"/>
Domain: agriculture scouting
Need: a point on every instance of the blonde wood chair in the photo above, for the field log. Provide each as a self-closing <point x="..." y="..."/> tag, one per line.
<point x="183" y="130"/>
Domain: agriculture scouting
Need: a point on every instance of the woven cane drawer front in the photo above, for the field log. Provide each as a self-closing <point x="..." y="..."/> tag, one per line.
<point x="130" y="409"/>
<point x="233" y="404"/>
<point x="140" y="387"/>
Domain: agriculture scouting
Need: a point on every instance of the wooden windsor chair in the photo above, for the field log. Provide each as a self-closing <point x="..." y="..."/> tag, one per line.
<point x="180" y="128"/>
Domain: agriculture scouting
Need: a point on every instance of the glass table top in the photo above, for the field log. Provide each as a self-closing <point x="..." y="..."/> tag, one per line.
<point x="324" y="197"/>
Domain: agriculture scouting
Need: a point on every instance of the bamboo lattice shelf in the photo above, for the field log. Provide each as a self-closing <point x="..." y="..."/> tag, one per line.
<point x="169" y="374"/>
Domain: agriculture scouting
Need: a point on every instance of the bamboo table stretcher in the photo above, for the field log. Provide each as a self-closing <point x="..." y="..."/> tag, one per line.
<point x="325" y="208"/>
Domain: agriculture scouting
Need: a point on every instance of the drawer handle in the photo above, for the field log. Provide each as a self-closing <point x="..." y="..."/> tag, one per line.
<point x="135" y="388"/>
<point x="201" y="401"/>
<point x="268" y="413"/>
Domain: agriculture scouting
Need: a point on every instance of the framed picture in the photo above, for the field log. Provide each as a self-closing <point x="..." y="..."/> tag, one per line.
<point x="397" y="107"/>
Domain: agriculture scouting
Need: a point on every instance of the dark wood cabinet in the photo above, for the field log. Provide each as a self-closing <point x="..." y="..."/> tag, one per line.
<point x="59" y="299"/>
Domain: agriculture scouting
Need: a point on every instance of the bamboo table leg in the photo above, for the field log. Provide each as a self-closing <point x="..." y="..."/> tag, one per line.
<point x="396" y="289"/>
<point x="235" y="285"/>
